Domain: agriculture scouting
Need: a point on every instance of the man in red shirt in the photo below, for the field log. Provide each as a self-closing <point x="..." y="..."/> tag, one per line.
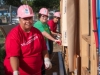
<point x="25" y="47"/>
<point x="53" y="27"/>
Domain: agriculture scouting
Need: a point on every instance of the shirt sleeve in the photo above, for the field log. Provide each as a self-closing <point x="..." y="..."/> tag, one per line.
<point x="50" y="23"/>
<point x="12" y="46"/>
<point x="39" y="27"/>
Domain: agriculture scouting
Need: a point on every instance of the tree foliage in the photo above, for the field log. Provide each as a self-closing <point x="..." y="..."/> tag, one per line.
<point x="29" y="2"/>
<point x="16" y="3"/>
<point x="51" y="4"/>
<point x="36" y="4"/>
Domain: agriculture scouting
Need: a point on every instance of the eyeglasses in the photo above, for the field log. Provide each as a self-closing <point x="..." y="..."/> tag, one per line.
<point x="44" y="16"/>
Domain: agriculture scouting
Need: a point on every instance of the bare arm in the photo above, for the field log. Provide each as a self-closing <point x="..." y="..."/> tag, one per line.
<point x="48" y="36"/>
<point x="53" y="33"/>
<point x="14" y="61"/>
<point x="45" y="54"/>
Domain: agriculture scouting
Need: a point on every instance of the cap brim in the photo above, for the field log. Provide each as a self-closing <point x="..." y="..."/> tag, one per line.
<point x="25" y="16"/>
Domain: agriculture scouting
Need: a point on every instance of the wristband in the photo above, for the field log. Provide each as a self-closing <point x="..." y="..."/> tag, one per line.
<point x="15" y="73"/>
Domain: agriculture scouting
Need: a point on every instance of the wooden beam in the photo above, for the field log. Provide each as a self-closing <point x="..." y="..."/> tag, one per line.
<point x="84" y="29"/>
<point x="85" y="71"/>
<point x="87" y="38"/>
<point x="93" y="49"/>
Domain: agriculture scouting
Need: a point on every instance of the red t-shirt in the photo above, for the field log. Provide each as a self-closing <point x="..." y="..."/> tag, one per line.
<point x="28" y="47"/>
<point x="52" y="25"/>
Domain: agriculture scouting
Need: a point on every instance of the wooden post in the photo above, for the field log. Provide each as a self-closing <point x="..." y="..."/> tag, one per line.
<point x="93" y="50"/>
<point x="84" y="29"/>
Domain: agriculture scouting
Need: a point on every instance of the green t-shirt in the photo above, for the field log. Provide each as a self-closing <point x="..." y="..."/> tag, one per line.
<point x="42" y="27"/>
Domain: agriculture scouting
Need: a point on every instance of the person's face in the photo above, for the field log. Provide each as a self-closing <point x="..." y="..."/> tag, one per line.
<point x="56" y="19"/>
<point x="43" y="18"/>
<point x="26" y="23"/>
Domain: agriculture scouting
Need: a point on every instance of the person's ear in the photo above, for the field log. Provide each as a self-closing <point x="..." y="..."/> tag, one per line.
<point x="19" y="19"/>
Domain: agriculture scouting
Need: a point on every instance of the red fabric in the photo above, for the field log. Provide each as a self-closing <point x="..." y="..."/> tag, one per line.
<point x="28" y="47"/>
<point x="52" y="25"/>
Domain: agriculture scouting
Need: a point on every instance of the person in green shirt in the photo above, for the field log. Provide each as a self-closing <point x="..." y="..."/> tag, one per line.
<point x="41" y="25"/>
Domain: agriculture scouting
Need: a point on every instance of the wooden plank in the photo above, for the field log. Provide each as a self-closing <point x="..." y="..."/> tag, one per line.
<point x="61" y="15"/>
<point x="93" y="50"/>
<point x="71" y="23"/>
<point x="64" y="23"/>
<point x="87" y="38"/>
<point x="78" y="64"/>
<point x="84" y="29"/>
<point x="85" y="71"/>
<point x="66" y="62"/>
<point x="77" y="58"/>
<point x="68" y="24"/>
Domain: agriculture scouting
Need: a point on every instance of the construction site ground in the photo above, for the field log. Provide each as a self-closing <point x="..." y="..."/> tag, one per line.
<point x="55" y="61"/>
